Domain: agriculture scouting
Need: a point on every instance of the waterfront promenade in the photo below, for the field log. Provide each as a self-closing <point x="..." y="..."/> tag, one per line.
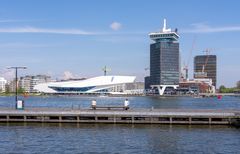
<point x="132" y="116"/>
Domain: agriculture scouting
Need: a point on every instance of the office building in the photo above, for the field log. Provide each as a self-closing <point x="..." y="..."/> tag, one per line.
<point x="24" y="83"/>
<point x="11" y="86"/>
<point x="164" y="59"/>
<point x="205" y="66"/>
<point x="3" y="83"/>
<point x="27" y="83"/>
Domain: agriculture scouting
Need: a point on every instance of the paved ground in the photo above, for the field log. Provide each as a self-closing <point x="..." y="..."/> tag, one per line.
<point x="148" y="112"/>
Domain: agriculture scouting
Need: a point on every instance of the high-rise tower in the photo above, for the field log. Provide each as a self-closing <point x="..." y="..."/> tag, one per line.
<point x="164" y="59"/>
<point x="205" y="66"/>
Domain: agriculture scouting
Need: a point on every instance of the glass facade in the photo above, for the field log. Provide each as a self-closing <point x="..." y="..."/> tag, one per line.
<point x="164" y="63"/>
<point x="210" y="68"/>
<point x="72" y="89"/>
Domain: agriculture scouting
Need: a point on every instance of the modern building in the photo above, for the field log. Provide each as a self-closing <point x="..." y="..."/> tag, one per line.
<point x="11" y="86"/>
<point x="164" y="59"/>
<point x="25" y="83"/>
<point x="205" y="66"/>
<point x="195" y="86"/>
<point x="3" y="83"/>
<point x="147" y="83"/>
<point x="135" y="88"/>
<point x="28" y="82"/>
<point x="101" y="84"/>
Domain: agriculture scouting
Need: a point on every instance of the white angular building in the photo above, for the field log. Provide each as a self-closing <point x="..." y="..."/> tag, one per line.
<point x="3" y="83"/>
<point x="100" y="84"/>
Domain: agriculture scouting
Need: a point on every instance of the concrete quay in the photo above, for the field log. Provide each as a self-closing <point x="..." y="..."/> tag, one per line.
<point x="131" y="116"/>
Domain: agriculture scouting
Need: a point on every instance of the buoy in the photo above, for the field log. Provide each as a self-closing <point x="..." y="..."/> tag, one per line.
<point x="219" y="96"/>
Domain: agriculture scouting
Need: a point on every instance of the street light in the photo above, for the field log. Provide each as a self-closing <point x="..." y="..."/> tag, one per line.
<point x="16" y="73"/>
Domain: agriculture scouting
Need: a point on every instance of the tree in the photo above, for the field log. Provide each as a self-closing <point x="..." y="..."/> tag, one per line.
<point x="7" y="90"/>
<point x="21" y="90"/>
<point x="222" y="89"/>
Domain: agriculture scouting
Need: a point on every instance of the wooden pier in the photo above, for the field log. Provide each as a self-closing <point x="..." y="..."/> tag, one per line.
<point x="131" y="116"/>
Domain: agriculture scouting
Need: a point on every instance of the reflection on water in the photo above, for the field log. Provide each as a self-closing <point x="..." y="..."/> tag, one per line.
<point x="120" y="138"/>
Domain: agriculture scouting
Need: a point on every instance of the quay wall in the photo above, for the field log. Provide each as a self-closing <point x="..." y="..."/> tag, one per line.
<point x="132" y="116"/>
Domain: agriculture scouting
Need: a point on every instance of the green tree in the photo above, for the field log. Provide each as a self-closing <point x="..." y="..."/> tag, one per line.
<point x="222" y="89"/>
<point x="21" y="90"/>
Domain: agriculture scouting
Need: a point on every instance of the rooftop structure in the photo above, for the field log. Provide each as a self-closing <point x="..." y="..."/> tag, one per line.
<point x="165" y="34"/>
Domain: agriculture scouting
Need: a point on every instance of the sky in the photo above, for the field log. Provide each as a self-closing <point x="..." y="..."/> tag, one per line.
<point x="77" y="38"/>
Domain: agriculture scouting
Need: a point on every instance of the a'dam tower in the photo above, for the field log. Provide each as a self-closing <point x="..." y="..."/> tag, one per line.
<point x="164" y="59"/>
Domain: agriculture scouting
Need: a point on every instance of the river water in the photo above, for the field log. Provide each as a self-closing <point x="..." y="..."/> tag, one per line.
<point x="119" y="138"/>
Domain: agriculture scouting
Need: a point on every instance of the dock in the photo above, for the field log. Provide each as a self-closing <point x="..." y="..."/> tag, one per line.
<point x="131" y="116"/>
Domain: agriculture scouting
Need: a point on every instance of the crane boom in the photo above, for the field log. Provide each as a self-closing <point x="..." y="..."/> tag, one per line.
<point x="207" y="51"/>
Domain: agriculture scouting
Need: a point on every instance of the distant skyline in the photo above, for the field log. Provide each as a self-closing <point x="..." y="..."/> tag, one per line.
<point x="78" y="38"/>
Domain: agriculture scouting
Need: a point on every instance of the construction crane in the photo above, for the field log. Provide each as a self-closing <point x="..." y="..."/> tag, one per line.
<point x="105" y="70"/>
<point x="190" y="55"/>
<point x="207" y="51"/>
<point x="203" y="73"/>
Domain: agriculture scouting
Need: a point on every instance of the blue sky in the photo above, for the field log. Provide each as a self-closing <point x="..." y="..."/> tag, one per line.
<point x="81" y="37"/>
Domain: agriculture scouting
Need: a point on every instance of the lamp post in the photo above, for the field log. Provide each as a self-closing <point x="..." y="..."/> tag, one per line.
<point x="16" y="80"/>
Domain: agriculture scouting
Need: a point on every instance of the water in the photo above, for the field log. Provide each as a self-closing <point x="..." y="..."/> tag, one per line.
<point x="120" y="138"/>
<point x="226" y="102"/>
<point x="85" y="138"/>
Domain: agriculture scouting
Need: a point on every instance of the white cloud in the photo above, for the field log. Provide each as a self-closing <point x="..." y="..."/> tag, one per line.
<point x="68" y="75"/>
<point x="204" y="28"/>
<point x="116" y="25"/>
<point x="45" y="30"/>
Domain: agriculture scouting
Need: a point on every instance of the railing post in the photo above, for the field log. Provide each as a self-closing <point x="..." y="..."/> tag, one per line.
<point x="190" y="120"/>
<point x="170" y="120"/>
